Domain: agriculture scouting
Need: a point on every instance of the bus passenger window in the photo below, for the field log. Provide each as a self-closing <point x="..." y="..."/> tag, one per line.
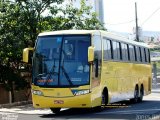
<point x="128" y="53"/>
<point x="148" y="56"/>
<point x="135" y="53"/>
<point x="131" y="52"/>
<point x="118" y="50"/>
<point x="114" y="44"/>
<point x="124" y="52"/>
<point x="107" y="49"/>
<point x="143" y="55"/>
<point x="138" y="54"/>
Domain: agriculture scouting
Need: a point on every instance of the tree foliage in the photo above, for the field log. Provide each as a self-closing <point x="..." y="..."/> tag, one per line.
<point x="22" y="20"/>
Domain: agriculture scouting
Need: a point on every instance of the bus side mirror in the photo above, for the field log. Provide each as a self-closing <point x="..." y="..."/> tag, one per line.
<point x="90" y="54"/>
<point x="27" y="55"/>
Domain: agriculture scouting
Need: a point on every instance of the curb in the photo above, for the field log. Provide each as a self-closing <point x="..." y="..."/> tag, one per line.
<point x="9" y="105"/>
<point x="156" y="90"/>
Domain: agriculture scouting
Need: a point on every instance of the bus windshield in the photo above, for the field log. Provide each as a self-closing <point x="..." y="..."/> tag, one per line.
<point x="60" y="61"/>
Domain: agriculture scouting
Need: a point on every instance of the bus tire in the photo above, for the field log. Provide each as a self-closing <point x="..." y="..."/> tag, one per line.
<point x="136" y="95"/>
<point x="104" y="101"/>
<point x="104" y="97"/>
<point x="55" y="110"/>
<point x="141" y="94"/>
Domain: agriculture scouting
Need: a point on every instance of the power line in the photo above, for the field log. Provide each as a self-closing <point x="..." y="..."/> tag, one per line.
<point x="150" y="16"/>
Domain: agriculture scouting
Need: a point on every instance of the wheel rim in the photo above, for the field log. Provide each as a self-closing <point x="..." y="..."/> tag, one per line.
<point x="136" y="95"/>
<point x="103" y="99"/>
<point x="141" y="93"/>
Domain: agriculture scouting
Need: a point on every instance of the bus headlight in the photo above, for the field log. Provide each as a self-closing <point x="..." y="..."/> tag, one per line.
<point x="81" y="92"/>
<point x="37" y="92"/>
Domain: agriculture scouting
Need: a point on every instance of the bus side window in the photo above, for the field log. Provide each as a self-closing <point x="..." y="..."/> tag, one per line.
<point x="149" y="58"/>
<point x="97" y="55"/>
<point x="124" y="52"/>
<point x="143" y="55"/>
<point x="114" y="45"/>
<point x="107" y="49"/>
<point x="138" y="54"/>
<point x="128" y="53"/>
<point x="120" y="50"/>
<point x="135" y="53"/>
<point x="131" y="52"/>
<point x="147" y="55"/>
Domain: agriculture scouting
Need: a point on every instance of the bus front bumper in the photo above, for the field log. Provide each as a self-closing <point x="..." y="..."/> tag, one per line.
<point x="80" y="101"/>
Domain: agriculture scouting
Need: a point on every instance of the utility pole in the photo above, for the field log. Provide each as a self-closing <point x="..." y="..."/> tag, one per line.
<point x="137" y="33"/>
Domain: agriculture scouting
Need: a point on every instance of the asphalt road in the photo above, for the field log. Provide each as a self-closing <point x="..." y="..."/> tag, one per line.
<point x="148" y="109"/>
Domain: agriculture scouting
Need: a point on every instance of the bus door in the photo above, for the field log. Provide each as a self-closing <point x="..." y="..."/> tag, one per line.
<point x="96" y="66"/>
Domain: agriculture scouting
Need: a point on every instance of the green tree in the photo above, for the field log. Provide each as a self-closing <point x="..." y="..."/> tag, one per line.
<point x="20" y="23"/>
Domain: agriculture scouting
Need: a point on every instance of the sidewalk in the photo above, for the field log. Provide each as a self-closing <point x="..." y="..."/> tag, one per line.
<point x="156" y="90"/>
<point x="9" y="105"/>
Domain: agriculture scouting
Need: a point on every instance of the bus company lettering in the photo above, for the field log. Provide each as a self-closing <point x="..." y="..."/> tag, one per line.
<point x="48" y="81"/>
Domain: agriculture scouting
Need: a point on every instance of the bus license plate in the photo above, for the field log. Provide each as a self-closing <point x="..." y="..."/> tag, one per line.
<point x="58" y="102"/>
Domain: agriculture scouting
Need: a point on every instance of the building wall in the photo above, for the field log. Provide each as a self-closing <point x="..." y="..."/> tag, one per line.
<point x="4" y="95"/>
<point x="21" y="95"/>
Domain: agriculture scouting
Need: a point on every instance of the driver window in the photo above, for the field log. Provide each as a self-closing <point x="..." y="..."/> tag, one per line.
<point x="97" y="55"/>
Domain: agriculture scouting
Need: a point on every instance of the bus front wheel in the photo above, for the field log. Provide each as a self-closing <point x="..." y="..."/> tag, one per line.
<point x="104" y="101"/>
<point x="55" y="110"/>
<point x="136" y="95"/>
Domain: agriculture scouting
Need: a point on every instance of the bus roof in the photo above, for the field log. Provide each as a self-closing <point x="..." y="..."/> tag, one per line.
<point x="67" y="32"/>
<point x="110" y="35"/>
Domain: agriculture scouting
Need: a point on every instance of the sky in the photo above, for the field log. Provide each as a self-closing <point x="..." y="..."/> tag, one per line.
<point x="119" y="15"/>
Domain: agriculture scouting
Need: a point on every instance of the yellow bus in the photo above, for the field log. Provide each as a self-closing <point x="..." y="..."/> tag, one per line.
<point x="86" y="69"/>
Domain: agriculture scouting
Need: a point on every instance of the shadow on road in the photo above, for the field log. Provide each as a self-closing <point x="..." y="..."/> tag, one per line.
<point x="131" y="111"/>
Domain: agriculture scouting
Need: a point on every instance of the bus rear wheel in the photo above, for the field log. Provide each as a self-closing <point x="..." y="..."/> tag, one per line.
<point x="55" y="110"/>
<point x="141" y="94"/>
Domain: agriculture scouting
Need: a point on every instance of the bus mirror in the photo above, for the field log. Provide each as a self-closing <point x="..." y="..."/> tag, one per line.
<point x="90" y="54"/>
<point x="27" y="55"/>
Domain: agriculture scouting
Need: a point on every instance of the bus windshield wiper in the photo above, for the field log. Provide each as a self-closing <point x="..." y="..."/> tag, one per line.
<point x="66" y="75"/>
<point x="52" y="72"/>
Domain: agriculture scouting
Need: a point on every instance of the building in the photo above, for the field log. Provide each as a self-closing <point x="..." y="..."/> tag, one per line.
<point x="97" y="6"/>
